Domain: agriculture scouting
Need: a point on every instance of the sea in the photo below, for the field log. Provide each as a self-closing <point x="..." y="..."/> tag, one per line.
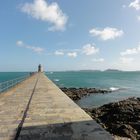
<point x="123" y="84"/>
<point x="6" y="76"/>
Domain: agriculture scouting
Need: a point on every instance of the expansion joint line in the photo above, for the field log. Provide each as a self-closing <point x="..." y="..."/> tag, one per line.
<point x="25" y="112"/>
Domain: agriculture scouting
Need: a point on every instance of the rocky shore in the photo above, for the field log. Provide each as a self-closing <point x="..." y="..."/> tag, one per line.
<point x="78" y="93"/>
<point x="120" y="118"/>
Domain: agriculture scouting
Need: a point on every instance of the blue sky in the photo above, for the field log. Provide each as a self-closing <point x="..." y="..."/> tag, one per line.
<point x="69" y="35"/>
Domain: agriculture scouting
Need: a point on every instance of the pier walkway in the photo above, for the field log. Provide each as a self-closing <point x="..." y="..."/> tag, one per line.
<point x="37" y="109"/>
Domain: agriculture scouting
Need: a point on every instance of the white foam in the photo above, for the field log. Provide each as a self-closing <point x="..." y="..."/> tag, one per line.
<point x="114" y="88"/>
<point x="56" y="80"/>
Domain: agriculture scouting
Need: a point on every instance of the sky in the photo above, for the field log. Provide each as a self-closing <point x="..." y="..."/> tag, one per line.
<point x="69" y="35"/>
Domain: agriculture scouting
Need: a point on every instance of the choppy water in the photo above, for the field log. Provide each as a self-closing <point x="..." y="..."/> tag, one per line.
<point x="124" y="85"/>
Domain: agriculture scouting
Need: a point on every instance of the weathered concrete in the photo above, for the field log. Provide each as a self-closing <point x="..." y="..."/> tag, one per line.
<point x="12" y="106"/>
<point x="52" y="115"/>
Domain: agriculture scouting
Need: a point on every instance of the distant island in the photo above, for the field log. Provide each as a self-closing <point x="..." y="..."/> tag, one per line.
<point x="113" y="70"/>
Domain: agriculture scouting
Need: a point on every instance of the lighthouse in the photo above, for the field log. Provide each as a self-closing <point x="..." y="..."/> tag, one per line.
<point x="40" y="68"/>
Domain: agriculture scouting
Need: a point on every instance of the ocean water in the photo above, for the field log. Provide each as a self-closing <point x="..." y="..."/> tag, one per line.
<point x="5" y="76"/>
<point x="123" y="85"/>
<point x="8" y="76"/>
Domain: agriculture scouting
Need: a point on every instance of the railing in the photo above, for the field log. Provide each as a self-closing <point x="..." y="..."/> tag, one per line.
<point x="9" y="84"/>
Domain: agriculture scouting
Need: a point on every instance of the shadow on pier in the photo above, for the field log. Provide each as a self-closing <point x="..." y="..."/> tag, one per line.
<point x="82" y="130"/>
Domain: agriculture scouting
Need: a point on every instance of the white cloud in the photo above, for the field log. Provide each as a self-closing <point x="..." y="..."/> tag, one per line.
<point x="98" y="60"/>
<point x="107" y="33"/>
<point x="135" y="4"/>
<point x="131" y="51"/>
<point x="72" y="54"/>
<point x="59" y="52"/>
<point x="51" y="13"/>
<point x="33" y="48"/>
<point x="89" y="49"/>
<point x="126" y="60"/>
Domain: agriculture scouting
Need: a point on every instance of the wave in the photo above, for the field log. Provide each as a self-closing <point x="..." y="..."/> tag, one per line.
<point x="114" y="88"/>
<point x="56" y="80"/>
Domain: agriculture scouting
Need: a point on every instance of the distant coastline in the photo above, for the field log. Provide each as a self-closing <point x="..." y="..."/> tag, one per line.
<point x="90" y="70"/>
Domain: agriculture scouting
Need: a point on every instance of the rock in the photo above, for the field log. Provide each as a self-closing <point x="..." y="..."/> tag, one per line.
<point x="78" y="93"/>
<point x="120" y="118"/>
<point x="121" y="138"/>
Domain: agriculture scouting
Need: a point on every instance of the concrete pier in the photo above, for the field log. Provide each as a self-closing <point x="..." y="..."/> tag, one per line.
<point x="38" y="110"/>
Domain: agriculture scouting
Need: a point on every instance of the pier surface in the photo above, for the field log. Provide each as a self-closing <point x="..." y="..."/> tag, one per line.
<point x="37" y="109"/>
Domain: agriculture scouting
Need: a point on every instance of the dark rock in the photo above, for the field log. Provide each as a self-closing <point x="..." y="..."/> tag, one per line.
<point x="120" y="118"/>
<point x="78" y="93"/>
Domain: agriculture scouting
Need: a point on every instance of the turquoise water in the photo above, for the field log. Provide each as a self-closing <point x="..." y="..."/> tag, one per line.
<point x="12" y="77"/>
<point x="128" y="84"/>
<point x="5" y="76"/>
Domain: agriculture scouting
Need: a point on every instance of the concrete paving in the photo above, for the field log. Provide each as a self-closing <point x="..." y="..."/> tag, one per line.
<point x="12" y="106"/>
<point x="51" y="115"/>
